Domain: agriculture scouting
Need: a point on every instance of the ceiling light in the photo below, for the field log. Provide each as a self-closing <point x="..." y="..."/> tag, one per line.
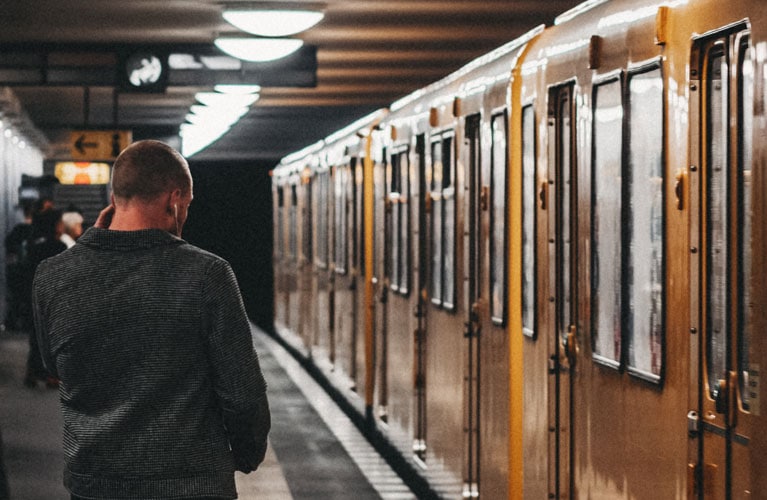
<point x="258" y="49"/>
<point x="273" y="22"/>
<point x="237" y="89"/>
<point x="206" y="113"/>
<point x="216" y="99"/>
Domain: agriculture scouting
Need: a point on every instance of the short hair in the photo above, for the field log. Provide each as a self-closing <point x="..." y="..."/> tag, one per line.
<point x="71" y="219"/>
<point x="148" y="168"/>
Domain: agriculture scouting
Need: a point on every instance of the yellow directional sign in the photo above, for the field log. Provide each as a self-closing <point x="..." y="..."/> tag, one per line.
<point x="98" y="144"/>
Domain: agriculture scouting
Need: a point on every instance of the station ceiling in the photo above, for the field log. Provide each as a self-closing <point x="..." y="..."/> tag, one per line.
<point x="368" y="52"/>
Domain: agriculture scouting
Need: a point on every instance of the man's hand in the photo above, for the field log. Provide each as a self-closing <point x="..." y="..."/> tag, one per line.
<point x="105" y="217"/>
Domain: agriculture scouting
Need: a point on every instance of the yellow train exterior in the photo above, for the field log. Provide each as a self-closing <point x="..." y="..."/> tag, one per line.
<point x="542" y="276"/>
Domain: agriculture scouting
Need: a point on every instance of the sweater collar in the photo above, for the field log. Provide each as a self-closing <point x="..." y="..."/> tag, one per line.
<point x="123" y="241"/>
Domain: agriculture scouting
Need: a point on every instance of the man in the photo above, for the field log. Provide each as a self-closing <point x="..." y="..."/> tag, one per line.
<point x="73" y="227"/>
<point x="161" y="391"/>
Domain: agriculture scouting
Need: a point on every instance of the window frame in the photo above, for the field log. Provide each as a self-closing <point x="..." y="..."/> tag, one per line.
<point x="618" y="77"/>
<point x="400" y="252"/>
<point x="631" y="72"/>
<point x="446" y="140"/>
<point x="533" y="206"/>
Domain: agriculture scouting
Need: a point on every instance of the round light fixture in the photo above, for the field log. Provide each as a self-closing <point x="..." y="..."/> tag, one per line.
<point x="258" y="49"/>
<point x="273" y="22"/>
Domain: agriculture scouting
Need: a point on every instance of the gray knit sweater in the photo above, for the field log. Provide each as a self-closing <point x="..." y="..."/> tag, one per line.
<point x="161" y="391"/>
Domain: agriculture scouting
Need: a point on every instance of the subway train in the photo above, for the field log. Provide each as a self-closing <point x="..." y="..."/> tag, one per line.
<point x="539" y="276"/>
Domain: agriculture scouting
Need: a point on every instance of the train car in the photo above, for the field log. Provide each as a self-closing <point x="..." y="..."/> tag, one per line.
<point x="441" y="276"/>
<point x="561" y="282"/>
<point x="636" y="300"/>
<point x="295" y="299"/>
<point x="346" y="155"/>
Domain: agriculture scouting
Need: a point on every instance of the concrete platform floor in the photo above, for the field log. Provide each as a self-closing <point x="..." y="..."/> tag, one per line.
<point x="314" y="450"/>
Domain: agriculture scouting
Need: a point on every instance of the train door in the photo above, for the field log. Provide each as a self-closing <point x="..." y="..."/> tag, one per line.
<point x="473" y="307"/>
<point x="402" y="323"/>
<point x="726" y="376"/>
<point x="322" y="286"/>
<point x="562" y="285"/>
<point x="305" y="261"/>
<point x="358" y="263"/>
<point x="280" y="254"/>
<point x="487" y="350"/>
<point x="345" y="274"/>
<point x="420" y="278"/>
<point x="291" y="269"/>
<point x="380" y="284"/>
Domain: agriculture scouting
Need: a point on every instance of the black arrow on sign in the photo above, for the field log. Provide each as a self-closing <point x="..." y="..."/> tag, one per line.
<point x="80" y="144"/>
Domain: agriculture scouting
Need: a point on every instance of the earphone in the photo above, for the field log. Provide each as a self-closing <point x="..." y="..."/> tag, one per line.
<point x="175" y="218"/>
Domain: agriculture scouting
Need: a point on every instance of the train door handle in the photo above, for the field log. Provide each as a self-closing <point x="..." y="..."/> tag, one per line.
<point x="484" y="198"/>
<point x="570" y="346"/>
<point x="726" y="401"/>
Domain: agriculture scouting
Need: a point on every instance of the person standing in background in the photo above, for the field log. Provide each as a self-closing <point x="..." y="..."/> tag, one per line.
<point x="47" y="228"/>
<point x="161" y="390"/>
<point x="73" y="227"/>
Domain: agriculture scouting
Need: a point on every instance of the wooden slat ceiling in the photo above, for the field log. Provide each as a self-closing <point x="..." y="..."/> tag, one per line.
<point x="369" y="53"/>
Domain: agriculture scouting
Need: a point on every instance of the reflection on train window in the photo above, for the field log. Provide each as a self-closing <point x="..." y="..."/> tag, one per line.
<point x="322" y="187"/>
<point x="644" y="208"/>
<point x="498" y="220"/>
<point x="528" y="221"/>
<point x="400" y="221"/>
<point x="606" y="206"/>
<point x="443" y="223"/>
<point x="341" y="218"/>
<point x="293" y="221"/>
<point x="745" y="217"/>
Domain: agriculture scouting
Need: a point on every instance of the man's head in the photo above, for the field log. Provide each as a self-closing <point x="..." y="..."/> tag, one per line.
<point x="73" y="224"/>
<point x="154" y="178"/>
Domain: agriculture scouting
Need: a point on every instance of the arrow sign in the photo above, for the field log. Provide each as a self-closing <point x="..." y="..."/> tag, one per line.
<point x="98" y="144"/>
<point x="81" y="144"/>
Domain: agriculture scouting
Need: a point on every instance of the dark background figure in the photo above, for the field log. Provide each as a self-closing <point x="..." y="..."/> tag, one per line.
<point x="4" y="492"/>
<point x="17" y="243"/>
<point x="47" y="230"/>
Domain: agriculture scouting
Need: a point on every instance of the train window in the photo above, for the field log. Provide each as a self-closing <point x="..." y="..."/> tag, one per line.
<point x="393" y="173"/>
<point x="606" y="206"/>
<point x="528" y="221"/>
<point x="448" y="224"/>
<point x="403" y="216"/>
<point x="306" y="216"/>
<point x="400" y="220"/>
<point x="644" y="276"/>
<point x="278" y="233"/>
<point x="341" y="219"/>
<point x="745" y="216"/>
<point x="499" y="161"/>
<point x="293" y="221"/>
<point x="437" y="168"/>
<point x="443" y="223"/>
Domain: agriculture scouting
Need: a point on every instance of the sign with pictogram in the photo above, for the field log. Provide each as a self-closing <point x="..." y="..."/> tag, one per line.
<point x="98" y="144"/>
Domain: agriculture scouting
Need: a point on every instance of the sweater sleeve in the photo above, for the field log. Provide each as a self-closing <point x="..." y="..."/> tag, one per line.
<point x="41" y="328"/>
<point x="237" y="378"/>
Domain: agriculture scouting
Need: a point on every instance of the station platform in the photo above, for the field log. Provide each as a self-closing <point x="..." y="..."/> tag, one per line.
<point x="314" y="452"/>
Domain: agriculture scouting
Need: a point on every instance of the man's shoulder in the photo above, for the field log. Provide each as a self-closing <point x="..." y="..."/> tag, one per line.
<point x="205" y="257"/>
